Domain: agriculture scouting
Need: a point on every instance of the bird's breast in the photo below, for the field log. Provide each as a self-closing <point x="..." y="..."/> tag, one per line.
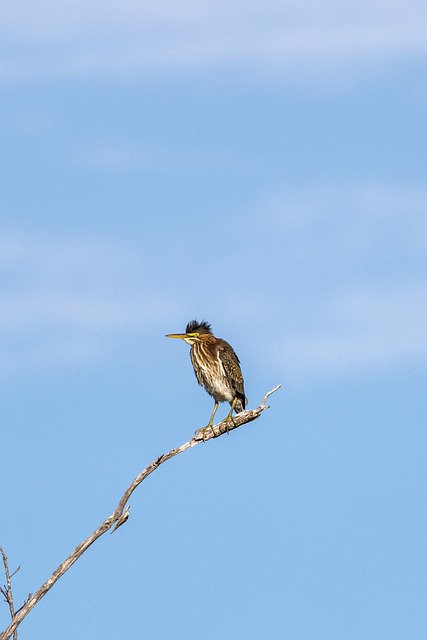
<point x="212" y="377"/>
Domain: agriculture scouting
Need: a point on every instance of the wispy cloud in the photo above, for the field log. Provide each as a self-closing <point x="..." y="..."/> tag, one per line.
<point x="62" y="301"/>
<point x="132" y="157"/>
<point x="352" y="290"/>
<point x="359" y="225"/>
<point x="339" y="272"/>
<point x="365" y="329"/>
<point x="94" y="38"/>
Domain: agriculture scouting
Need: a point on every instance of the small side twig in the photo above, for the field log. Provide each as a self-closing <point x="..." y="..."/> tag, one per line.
<point x="6" y="591"/>
<point x="120" y="515"/>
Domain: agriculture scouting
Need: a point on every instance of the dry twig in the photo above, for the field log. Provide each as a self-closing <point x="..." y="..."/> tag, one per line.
<point x="119" y="516"/>
<point x="6" y="591"/>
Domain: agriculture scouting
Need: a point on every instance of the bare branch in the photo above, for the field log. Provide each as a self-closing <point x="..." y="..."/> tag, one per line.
<point x="123" y="518"/>
<point x="7" y="590"/>
<point x="120" y="515"/>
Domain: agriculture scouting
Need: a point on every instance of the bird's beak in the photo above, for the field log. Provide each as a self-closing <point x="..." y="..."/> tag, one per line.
<point x="176" y="335"/>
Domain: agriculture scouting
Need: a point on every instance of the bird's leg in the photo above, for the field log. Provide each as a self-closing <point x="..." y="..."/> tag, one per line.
<point x="233" y="404"/>
<point x="210" y="423"/>
<point x="230" y="415"/>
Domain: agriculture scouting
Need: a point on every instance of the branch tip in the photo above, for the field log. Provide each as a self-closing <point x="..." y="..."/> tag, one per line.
<point x="267" y="395"/>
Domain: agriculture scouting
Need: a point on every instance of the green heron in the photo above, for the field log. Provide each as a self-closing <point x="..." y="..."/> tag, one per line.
<point x="216" y="366"/>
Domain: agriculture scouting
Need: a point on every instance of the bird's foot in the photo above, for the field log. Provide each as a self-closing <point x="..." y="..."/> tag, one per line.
<point x="226" y="421"/>
<point x="203" y="431"/>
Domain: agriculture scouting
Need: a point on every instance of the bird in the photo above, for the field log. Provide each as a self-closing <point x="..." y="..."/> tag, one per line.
<point x="216" y="367"/>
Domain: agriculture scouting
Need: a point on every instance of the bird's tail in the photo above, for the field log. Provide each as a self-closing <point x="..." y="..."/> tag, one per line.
<point x="240" y="404"/>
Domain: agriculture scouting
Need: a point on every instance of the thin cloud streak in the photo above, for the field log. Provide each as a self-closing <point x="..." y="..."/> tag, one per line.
<point x="132" y="157"/>
<point x="352" y="224"/>
<point x="87" y="39"/>
<point x="62" y="302"/>
<point x="363" y="330"/>
<point x="354" y="296"/>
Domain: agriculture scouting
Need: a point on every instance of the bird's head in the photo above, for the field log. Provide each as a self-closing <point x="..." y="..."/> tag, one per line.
<point x="193" y="332"/>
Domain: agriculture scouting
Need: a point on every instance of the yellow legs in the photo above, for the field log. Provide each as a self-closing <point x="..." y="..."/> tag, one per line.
<point x="210" y="423"/>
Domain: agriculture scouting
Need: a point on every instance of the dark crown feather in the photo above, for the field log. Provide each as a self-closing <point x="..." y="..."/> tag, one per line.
<point x="198" y="327"/>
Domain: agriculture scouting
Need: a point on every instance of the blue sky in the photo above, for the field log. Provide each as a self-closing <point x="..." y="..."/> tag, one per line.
<point x="262" y="167"/>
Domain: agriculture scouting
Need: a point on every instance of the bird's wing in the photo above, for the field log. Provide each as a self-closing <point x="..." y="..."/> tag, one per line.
<point x="230" y="363"/>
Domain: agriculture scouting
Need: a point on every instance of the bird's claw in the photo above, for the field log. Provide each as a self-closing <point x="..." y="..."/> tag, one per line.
<point x="203" y="431"/>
